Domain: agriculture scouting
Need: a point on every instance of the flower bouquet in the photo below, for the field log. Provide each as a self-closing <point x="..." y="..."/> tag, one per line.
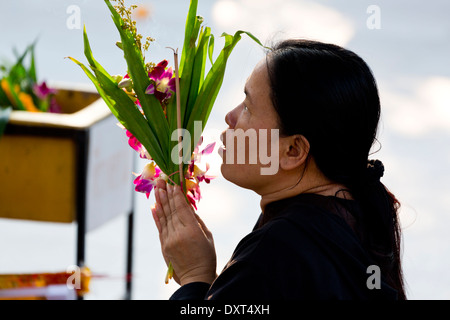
<point x="20" y="90"/>
<point x="164" y="112"/>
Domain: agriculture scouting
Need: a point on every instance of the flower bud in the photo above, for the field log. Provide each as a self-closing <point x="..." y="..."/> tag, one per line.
<point x="117" y="78"/>
<point x="126" y="84"/>
<point x="164" y="177"/>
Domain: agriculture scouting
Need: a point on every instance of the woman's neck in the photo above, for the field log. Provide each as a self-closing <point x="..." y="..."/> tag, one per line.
<point x="307" y="183"/>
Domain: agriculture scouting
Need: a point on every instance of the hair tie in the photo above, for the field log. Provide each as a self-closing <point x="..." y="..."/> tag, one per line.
<point x="375" y="169"/>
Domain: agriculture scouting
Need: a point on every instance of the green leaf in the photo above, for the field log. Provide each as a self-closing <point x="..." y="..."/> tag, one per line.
<point x="253" y="38"/>
<point x="4" y="118"/>
<point x="198" y="71"/>
<point x="136" y="69"/>
<point x="212" y="84"/>
<point x="18" y="71"/>
<point x="211" y="49"/>
<point x="157" y="144"/>
<point x="16" y="103"/>
<point x="192" y="68"/>
<point x="17" y="74"/>
<point x="124" y="109"/>
<point x="4" y="101"/>
<point x="41" y="105"/>
<point x="32" y="70"/>
<point x="193" y="24"/>
<point x="94" y="80"/>
<point x="133" y="119"/>
<point x="89" y="56"/>
<point x="190" y="35"/>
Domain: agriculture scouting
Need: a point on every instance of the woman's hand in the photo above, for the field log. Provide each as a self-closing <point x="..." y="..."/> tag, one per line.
<point x="185" y="240"/>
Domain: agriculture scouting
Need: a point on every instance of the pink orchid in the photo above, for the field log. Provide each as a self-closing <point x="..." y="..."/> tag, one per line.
<point x="200" y="175"/>
<point x="196" y="156"/>
<point x="192" y="192"/>
<point x="146" y="180"/>
<point x="195" y="175"/>
<point x="54" y="106"/>
<point x="163" y="83"/>
<point x="42" y="91"/>
<point x="138" y="103"/>
<point x="136" y="145"/>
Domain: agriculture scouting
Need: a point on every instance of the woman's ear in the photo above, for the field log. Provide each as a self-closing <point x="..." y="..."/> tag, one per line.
<point x="294" y="151"/>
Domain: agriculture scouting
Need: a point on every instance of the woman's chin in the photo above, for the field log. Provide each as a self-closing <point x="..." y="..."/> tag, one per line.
<point x="236" y="174"/>
<point x="228" y="173"/>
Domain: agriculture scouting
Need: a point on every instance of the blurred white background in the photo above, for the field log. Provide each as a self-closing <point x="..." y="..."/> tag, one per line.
<point x="407" y="45"/>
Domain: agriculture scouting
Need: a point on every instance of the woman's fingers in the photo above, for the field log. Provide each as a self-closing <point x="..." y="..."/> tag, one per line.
<point x="172" y="209"/>
<point x="156" y="219"/>
<point x="185" y="241"/>
<point x="160" y="183"/>
<point x="164" y="202"/>
<point x="172" y="205"/>
<point x="162" y="207"/>
<point x="185" y="213"/>
<point x="208" y="233"/>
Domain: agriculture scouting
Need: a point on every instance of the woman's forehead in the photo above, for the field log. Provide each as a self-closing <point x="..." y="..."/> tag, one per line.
<point x="258" y="80"/>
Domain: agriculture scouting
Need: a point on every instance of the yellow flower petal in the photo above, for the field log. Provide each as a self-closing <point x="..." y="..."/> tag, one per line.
<point x="7" y="90"/>
<point x="27" y="102"/>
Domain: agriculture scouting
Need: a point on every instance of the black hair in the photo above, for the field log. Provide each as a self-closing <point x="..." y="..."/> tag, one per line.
<point x="329" y="95"/>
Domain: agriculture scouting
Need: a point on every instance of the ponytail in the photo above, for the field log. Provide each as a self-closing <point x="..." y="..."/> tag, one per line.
<point x="379" y="225"/>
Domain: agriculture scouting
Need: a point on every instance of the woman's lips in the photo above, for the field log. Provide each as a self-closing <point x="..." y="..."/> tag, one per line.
<point x="222" y="151"/>
<point x="223" y="147"/>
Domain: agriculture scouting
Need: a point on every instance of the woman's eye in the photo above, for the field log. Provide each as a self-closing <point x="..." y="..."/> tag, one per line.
<point x="245" y="108"/>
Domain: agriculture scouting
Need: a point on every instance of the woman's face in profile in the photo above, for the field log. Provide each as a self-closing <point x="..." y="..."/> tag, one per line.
<point x="247" y="141"/>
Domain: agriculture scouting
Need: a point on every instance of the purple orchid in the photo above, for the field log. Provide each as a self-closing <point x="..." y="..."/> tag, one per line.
<point x="42" y="91"/>
<point x="163" y="83"/>
<point x="145" y="182"/>
<point x="195" y="175"/>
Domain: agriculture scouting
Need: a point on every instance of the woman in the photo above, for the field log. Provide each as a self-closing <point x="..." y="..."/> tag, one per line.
<point x="328" y="228"/>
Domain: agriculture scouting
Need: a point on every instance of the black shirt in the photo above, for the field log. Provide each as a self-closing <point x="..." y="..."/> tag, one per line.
<point x="304" y="247"/>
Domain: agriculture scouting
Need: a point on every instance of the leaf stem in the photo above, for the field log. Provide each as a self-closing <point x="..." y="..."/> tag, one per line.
<point x="169" y="273"/>
<point x="180" y="137"/>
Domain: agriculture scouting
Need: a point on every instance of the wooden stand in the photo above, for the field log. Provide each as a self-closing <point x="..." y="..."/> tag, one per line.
<point x="74" y="166"/>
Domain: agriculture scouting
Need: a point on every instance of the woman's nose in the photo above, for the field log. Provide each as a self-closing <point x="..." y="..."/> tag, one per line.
<point x="231" y="117"/>
<point x="228" y="119"/>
